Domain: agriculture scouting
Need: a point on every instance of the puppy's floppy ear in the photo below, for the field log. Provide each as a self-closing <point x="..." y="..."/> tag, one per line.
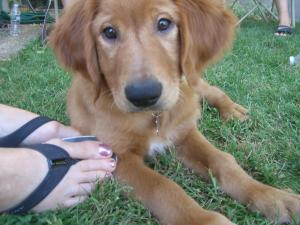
<point x="73" y="42"/>
<point x="206" y="30"/>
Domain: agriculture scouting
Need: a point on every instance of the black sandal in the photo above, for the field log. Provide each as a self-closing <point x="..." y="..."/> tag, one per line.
<point x="15" y="139"/>
<point x="283" y="29"/>
<point x="59" y="162"/>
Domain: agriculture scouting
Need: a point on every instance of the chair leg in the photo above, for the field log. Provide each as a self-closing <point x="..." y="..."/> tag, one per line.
<point x="233" y="4"/>
<point x="267" y="9"/>
<point x="260" y="8"/>
<point x="264" y="10"/>
<point x="293" y="13"/>
<point x="56" y="10"/>
<point x="247" y="14"/>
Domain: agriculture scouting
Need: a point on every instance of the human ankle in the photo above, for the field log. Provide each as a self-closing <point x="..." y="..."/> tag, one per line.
<point x="285" y="21"/>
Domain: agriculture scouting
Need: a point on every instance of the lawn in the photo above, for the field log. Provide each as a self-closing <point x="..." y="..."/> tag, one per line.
<point x="256" y="74"/>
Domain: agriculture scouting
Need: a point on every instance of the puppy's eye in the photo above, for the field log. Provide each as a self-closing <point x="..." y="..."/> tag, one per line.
<point x="163" y="24"/>
<point x="110" y="33"/>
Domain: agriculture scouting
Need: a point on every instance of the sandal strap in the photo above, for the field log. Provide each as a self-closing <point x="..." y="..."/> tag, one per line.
<point x="15" y="139"/>
<point x="59" y="162"/>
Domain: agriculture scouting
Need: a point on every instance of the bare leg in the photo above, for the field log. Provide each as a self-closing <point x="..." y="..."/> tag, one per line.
<point x="197" y="153"/>
<point x="227" y="108"/>
<point x="283" y="12"/>
<point x="165" y="199"/>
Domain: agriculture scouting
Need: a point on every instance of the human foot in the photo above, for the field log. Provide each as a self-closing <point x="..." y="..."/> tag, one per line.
<point x="24" y="169"/>
<point x="283" y="30"/>
<point x="284" y="27"/>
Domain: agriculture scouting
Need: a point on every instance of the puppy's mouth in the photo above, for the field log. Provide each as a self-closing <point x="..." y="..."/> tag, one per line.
<point x="154" y="108"/>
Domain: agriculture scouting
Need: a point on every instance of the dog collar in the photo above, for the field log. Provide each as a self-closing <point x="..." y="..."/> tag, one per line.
<point x="156" y="118"/>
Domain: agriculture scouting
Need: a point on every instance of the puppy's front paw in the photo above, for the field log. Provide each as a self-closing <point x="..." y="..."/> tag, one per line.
<point x="202" y="217"/>
<point x="234" y="111"/>
<point x="280" y="206"/>
<point x="216" y="219"/>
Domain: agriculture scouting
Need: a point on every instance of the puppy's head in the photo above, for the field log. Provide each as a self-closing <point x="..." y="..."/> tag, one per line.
<point x="139" y="49"/>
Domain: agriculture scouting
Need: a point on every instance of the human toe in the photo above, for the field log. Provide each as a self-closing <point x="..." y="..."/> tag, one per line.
<point x="85" y="149"/>
<point x="74" y="201"/>
<point x="108" y="165"/>
<point x="94" y="176"/>
<point x="82" y="189"/>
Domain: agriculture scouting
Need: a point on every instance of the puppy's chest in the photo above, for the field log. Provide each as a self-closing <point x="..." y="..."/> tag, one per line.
<point x="166" y="134"/>
<point x="158" y="146"/>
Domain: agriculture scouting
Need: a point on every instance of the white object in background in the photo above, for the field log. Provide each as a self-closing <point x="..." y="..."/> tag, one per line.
<point x="295" y="60"/>
<point x="15" y="19"/>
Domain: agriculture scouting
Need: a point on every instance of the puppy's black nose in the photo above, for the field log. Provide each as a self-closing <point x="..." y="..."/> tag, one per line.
<point x="143" y="93"/>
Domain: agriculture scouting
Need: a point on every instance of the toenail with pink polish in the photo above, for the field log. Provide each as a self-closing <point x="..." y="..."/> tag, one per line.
<point x="112" y="163"/>
<point x="104" y="150"/>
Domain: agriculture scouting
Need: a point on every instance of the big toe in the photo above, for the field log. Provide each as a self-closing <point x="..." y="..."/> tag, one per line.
<point x="84" y="149"/>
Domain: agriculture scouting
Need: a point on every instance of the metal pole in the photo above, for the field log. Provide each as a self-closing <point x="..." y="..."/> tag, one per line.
<point x="293" y="13"/>
<point x="56" y="10"/>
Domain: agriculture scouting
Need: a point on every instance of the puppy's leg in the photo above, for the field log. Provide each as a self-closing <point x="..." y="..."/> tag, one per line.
<point x="197" y="153"/>
<point x="227" y="108"/>
<point x="165" y="199"/>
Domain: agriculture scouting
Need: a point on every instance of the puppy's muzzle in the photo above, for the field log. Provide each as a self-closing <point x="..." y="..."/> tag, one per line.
<point x="143" y="93"/>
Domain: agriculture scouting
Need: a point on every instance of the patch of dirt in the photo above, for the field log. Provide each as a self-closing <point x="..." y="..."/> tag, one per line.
<point x="10" y="46"/>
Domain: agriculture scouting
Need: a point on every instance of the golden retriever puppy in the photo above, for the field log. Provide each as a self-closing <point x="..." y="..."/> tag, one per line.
<point x="136" y="68"/>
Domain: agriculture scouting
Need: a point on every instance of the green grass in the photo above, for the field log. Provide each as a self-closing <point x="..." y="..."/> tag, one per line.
<point x="256" y="74"/>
